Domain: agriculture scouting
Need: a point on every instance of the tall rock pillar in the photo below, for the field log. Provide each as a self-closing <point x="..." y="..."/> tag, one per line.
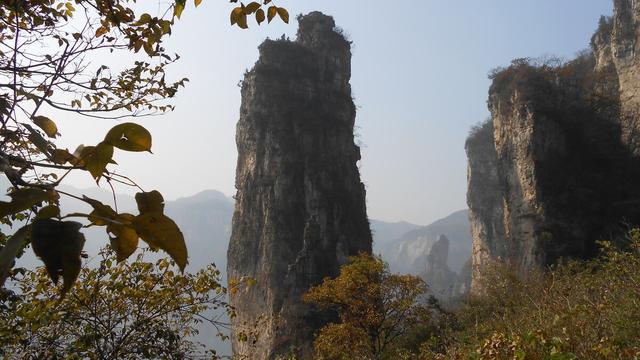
<point x="300" y="205"/>
<point x="558" y="166"/>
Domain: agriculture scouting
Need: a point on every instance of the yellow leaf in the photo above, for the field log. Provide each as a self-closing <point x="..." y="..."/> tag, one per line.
<point x="150" y="202"/>
<point x="251" y="8"/>
<point x="271" y="13"/>
<point x="242" y="22"/>
<point x="101" y="31"/>
<point x="236" y="13"/>
<point x="37" y="140"/>
<point x="159" y="231"/>
<point x="125" y="240"/>
<point x="23" y="199"/>
<point x="260" y="16"/>
<point x="102" y="214"/>
<point x="47" y="125"/>
<point x="48" y="212"/>
<point x="197" y="2"/>
<point x="179" y="7"/>
<point x="284" y="14"/>
<point x="96" y="161"/>
<point x="125" y="219"/>
<point x="144" y="19"/>
<point x="61" y="157"/>
<point x="129" y="137"/>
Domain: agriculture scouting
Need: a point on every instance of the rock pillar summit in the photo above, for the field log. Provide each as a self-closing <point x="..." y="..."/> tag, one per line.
<point x="300" y="205"/>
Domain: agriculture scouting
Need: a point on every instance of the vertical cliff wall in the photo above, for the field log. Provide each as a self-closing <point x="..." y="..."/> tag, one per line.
<point x="556" y="167"/>
<point x="300" y="205"/>
<point x="624" y="52"/>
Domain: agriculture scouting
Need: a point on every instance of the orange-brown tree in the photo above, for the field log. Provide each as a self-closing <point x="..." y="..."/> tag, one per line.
<point x="376" y="310"/>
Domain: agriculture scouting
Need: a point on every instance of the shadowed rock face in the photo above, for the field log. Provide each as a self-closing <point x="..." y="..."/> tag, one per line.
<point x="300" y="205"/>
<point x="556" y="167"/>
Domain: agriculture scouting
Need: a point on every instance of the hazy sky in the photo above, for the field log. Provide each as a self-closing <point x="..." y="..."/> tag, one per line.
<point x="419" y="79"/>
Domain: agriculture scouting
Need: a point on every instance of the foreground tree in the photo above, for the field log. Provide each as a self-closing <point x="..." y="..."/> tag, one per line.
<point x="377" y="310"/>
<point x="136" y="310"/>
<point x="49" y="68"/>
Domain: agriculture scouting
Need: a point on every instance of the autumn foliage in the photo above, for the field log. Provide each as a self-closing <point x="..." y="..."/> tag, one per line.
<point x="129" y="310"/>
<point x="51" y="68"/>
<point x="376" y="310"/>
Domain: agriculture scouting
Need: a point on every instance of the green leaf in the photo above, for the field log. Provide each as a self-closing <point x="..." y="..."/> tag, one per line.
<point x="125" y="240"/>
<point x="47" y="125"/>
<point x="179" y="7"/>
<point x="159" y="231"/>
<point x="59" y="245"/>
<point x="150" y="202"/>
<point x="129" y="137"/>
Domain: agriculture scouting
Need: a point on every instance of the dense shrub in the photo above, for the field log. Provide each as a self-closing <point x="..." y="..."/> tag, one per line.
<point x="577" y="310"/>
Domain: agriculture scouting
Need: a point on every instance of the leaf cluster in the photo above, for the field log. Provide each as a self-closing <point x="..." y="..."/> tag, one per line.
<point x="51" y="66"/>
<point x="240" y="13"/>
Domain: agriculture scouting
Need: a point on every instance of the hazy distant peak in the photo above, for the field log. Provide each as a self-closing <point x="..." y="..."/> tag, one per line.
<point x="204" y="196"/>
<point x="460" y="216"/>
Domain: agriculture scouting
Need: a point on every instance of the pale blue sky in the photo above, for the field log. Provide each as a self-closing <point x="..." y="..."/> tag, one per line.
<point x="419" y="79"/>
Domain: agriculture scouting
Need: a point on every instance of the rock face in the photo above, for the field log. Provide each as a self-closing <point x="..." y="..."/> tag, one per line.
<point x="556" y="166"/>
<point x="300" y="206"/>
<point x="441" y="280"/>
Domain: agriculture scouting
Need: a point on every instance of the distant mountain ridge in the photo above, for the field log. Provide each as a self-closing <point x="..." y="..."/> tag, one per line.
<point x="384" y="233"/>
<point x="408" y="253"/>
<point x="205" y="220"/>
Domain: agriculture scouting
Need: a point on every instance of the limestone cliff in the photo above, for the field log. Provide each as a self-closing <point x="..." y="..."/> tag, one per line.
<point x="300" y="205"/>
<point x="441" y="280"/>
<point x="556" y="166"/>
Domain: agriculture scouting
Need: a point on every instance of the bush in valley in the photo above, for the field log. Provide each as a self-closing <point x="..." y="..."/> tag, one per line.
<point x="576" y="310"/>
<point x="382" y="315"/>
<point x="119" y="310"/>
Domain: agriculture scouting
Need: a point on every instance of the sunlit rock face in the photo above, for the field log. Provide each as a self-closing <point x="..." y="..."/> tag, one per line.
<point x="556" y="167"/>
<point x="300" y="205"/>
